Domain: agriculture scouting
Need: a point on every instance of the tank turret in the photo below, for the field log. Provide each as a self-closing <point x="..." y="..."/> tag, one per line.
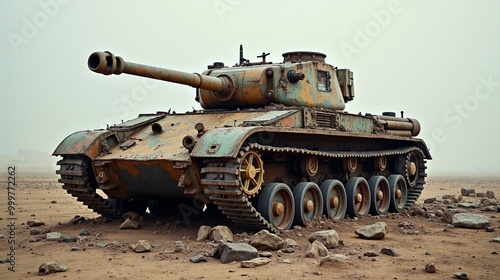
<point x="303" y="79"/>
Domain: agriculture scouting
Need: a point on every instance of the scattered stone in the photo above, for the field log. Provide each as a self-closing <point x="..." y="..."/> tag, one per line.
<point x="490" y="194"/>
<point x="290" y="243"/>
<point x="490" y="208"/>
<point x="467" y="191"/>
<point x="461" y="275"/>
<point x="68" y="238"/>
<point x="51" y="267"/>
<point x="198" y="258"/>
<point x="76" y="220"/>
<point x="287" y="261"/>
<point x="316" y="249"/>
<point x="84" y="232"/>
<point x="179" y="246"/>
<point x="439" y="213"/>
<point x="33" y="239"/>
<point x="490" y="229"/>
<point x="35" y="223"/>
<point x="370" y="254"/>
<point x="255" y="262"/>
<point x="131" y="215"/>
<point x="35" y="231"/>
<point x="230" y="252"/>
<point x="142" y="246"/>
<point x="427" y="253"/>
<point x="75" y="248"/>
<point x="4" y="260"/>
<point x="430" y="268"/>
<point x="53" y="236"/>
<point x="264" y="240"/>
<point x="429" y="200"/>
<point x="472" y="205"/>
<point x="467" y="220"/>
<point x="496" y="239"/>
<point x="221" y="233"/>
<point x="2" y="236"/>
<point x="329" y="238"/>
<point x="129" y="224"/>
<point x="388" y="251"/>
<point x="265" y="254"/>
<point x="336" y="260"/>
<point x="288" y="250"/>
<point x="203" y="233"/>
<point x="489" y="202"/>
<point x="417" y="211"/>
<point x="480" y="194"/>
<point x="102" y="244"/>
<point x="375" y="231"/>
<point x="448" y="214"/>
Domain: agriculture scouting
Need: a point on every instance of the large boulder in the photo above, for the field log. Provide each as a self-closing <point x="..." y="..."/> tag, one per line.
<point x="375" y="231"/>
<point x="329" y="238"/>
<point x="221" y="233"/>
<point x="468" y="220"/>
<point x="264" y="240"/>
<point x="449" y="213"/>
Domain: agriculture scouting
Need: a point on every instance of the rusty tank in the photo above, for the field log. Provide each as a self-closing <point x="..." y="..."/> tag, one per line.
<point x="271" y="148"/>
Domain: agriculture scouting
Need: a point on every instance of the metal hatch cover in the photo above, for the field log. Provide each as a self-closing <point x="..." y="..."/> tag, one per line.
<point x="269" y="117"/>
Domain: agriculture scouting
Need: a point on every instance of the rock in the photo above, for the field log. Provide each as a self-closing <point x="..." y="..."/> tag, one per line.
<point x="388" y="251"/>
<point x="265" y="254"/>
<point x="75" y="248"/>
<point x="370" y="254"/>
<point x="221" y="233"/>
<point x="264" y="240"/>
<point x="448" y="214"/>
<point x="6" y="260"/>
<point x="336" y="260"/>
<point x="131" y="215"/>
<point x="68" y="238"/>
<point x="255" y="262"/>
<point x="460" y="275"/>
<point x="429" y="200"/>
<point x="490" y="229"/>
<point x="290" y="243"/>
<point x="467" y="191"/>
<point x="472" y="205"/>
<point x="316" y="249"/>
<point x="104" y="245"/>
<point x="496" y="239"/>
<point x="430" y="268"/>
<point x="439" y="213"/>
<point x="35" y="231"/>
<point x="203" y="233"/>
<point x="76" y="220"/>
<point x="35" y="223"/>
<point x="51" y="267"/>
<point x="33" y="239"/>
<point x="490" y="208"/>
<point x="489" y="202"/>
<point x="142" y="246"/>
<point x="287" y="261"/>
<point x="179" y="246"/>
<point x="198" y="258"/>
<point x="129" y="224"/>
<point x="53" y="236"/>
<point x="490" y="194"/>
<point x="375" y="231"/>
<point x="467" y="220"/>
<point x="417" y="211"/>
<point x="230" y="252"/>
<point x="427" y="253"/>
<point x="84" y="232"/>
<point x="329" y="238"/>
<point x="480" y="194"/>
<point x="288" y="250"/>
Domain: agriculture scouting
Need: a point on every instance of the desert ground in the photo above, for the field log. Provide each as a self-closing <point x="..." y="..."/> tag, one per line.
<point x="417" y="239"/>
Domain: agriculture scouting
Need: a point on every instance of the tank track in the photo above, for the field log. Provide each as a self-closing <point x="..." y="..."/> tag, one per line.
<point x="222" y="184"/>
<point x="74" y="172"/>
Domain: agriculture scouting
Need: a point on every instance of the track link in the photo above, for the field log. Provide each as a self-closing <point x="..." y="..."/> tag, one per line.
<point x="222" y="184"/>
<point x="74" y="172"/>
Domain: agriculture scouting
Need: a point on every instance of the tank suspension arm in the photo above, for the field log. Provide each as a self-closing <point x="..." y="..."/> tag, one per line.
<point x="106" y="63"/>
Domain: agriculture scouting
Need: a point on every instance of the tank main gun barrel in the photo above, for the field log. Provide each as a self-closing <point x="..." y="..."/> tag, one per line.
<point x="106" y="63"/>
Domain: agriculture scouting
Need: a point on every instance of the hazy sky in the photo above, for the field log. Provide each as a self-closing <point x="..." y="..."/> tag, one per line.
<point x="436" y="60"/>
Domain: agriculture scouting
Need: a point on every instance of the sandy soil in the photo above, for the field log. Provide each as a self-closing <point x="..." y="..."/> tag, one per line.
<point x="450" y="249"/>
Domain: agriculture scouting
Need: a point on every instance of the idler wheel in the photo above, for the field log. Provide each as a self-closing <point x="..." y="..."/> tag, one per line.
<point x="398" y="193"/>
<point x="276" y="205"/>
<point x="380" y="193"/>
<point x="358" y="197"/>
<point x="308" y="202"/>
<point x="334" y="199"/>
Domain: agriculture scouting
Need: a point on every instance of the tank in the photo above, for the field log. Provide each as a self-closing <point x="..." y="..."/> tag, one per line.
<point x="272" y="147"/>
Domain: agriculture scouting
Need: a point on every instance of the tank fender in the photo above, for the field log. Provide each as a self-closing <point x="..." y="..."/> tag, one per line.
<point x="87" y="142"/>
<point x="222" y="142"/>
